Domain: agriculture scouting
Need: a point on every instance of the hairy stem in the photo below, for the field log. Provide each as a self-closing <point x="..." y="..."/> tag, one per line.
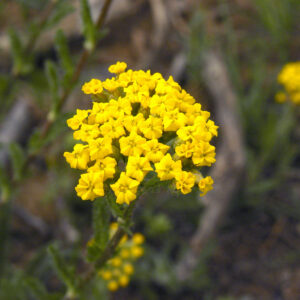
<point x="110" y="247"/>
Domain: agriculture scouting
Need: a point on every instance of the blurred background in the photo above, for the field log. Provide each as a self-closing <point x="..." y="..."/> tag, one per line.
<point x="241" y="241"/>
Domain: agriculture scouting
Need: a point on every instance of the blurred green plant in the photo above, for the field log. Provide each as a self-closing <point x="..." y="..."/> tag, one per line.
<point x="268" y="127"/>
<point x="60" y="77"/>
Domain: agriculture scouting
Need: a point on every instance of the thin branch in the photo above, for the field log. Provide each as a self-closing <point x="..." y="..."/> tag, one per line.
<point x="79" y="67"/>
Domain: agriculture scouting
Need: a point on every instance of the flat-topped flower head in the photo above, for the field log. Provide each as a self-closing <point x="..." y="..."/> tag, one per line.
<point x="289" y="78"/>
<point x="140" y="127"/>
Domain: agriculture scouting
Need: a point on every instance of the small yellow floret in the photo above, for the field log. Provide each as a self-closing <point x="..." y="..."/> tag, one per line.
<point x="106" y="165"/>
<point x="117" y="68"/>
<point x="94" y="86"/>
<point x="112" y="285"/>
<point x="128" y="268"/>
<point x="79" y="158"/>
<point x="137" y="167"/>
<point x="90" y="186"/>
<point x="137" y="251"/>
<point x="138" y="238"/>
<point x="106" y="275"/>
<point x="116" y="262"/>
<point x="185" y="181"/>
<point x="124" y="253"/>
<point x="132" y="145"/>
<point x="124" y="280"/>
<point x="125" y="189"/>
<point x="167" y="168"/>
<point x="205" y="185"/>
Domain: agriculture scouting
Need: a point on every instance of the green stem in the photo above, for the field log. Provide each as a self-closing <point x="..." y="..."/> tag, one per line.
<point x="5" y="213"/>
<point x="110" y="247"/>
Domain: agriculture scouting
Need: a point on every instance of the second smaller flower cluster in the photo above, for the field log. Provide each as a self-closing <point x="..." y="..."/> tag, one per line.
<point x="289" y="78"/>
<point x="119" y="268"/>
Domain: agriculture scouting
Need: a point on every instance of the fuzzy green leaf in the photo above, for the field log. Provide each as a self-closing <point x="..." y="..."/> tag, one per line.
<point x="66" y="274"/>
<point x="64" y="56"/>
<point x="89" y="29"/>
<point x="101" y="217"/>
<point x="36" y="141"/>
<point x="21" y="63"/>
<point x="18" y="159"/>
<point x="5" y="185"/>
<point x="53" y="82"/>
<point x="36" y="288"/>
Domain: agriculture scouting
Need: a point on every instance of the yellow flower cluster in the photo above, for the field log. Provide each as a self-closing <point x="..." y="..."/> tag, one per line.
<point x="140" y="124"/>
<point x="289" y="77"/>
<point x="118" y="269"/>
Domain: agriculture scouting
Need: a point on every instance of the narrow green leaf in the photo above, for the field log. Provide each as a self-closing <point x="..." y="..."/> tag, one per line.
<point x="101" y="217"/>
<point x="18" y="159"/>
<point x="61" y="9"/>
<point x="64" y="55"/>
<point x="21" y="63"/>
<point x="89" y="29"/>
<point x="36" y="287"/>
<point x="66" y="274"/>
<point x="36" y="141"/>
<point x="5" y="185"/>
<point x="53" y="82"/>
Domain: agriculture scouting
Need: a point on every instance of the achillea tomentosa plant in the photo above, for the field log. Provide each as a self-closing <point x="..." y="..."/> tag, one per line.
<point x="289" y="78"/>
<point x="141" y="131"/>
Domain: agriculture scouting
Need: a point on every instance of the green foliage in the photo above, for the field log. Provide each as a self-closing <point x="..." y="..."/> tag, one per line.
<point x="116" y="208"/>
<point x="276" y="17"/>
<point x="38" y="140"/>
<point x="35" y="4"/>
<point x="21" y="61"/>
<point x="64" y="56"/>
<point x="66" y="273"/>
<point x="158" y="224"/>
<point x="53" y="81"/>
<point x="5" y="185"/>
<point x="13" y="288"/>
<point x="167" y="220"/>
<point x="89" y="29"/>
<point x="18" y="160"/>
<point x="101" y="221"/>
<point x="60" y="11"/>
<point x="38" y="291"/>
